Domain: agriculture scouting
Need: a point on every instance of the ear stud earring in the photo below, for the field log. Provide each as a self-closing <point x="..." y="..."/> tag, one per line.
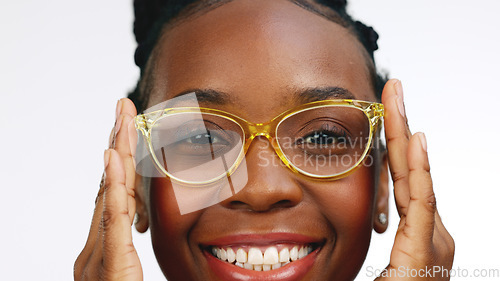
<point x="382" y="218"/>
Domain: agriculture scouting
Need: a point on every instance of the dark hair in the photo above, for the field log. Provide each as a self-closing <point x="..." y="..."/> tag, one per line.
<point x="152" y="15"/>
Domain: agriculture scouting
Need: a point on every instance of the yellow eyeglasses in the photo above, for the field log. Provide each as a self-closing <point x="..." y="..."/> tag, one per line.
<point x="322" y="140"/>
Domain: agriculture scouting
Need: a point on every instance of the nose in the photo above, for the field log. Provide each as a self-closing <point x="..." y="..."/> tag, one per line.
<point x="271" y="185"/>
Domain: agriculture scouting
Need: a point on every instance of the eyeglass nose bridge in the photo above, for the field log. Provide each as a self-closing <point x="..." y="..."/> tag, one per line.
<point x="268" y="130"/>
<point x="260" y="130"/>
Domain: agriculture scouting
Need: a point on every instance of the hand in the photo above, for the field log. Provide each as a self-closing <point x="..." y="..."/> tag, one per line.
<point x="422" y="245"/>
<point x="109" y="253"/>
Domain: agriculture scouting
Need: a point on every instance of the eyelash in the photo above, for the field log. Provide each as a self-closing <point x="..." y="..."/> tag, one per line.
<point x="328" y="130"/>
<point x="204" y="134"/>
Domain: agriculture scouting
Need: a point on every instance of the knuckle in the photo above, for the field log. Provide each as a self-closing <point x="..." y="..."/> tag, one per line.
<point x="399" y="176"/>
<point x="402" y="210"/>
<point x="107" y="218"/>
<point x="426" y="167"/>
<point x="427" y="201"/>
<point x="430" y="201"/>
<point x="110" y="217"/>
<point x="401" y="136"/>
<point x="106" y="184"/>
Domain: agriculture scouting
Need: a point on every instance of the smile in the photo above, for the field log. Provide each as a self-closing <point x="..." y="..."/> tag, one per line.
<point x="274" y="256"/>
<point x="262" y="258"/>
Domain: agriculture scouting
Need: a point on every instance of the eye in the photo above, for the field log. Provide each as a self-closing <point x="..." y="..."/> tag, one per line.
<point x="328" y="135"/>
<point x="324" y="138"/>
<point x="327" y="139"/>
<point x="207" y="137"/>
<point x="202" y="143"/>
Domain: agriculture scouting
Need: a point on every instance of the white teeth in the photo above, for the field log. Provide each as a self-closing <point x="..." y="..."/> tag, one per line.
<point x="302" y="252"/>
<point x="231" y="256"/>
<point x="294" y="253"/>
<point x="255" y="256"/>
<point x="271" y="256"/>
<point x="248" y="265"/>
<point x="241" y="256"/>
<point x="309" y="250"/>
<point x="257" y="261"/>
<point x="223" y="254"/>
<point x="284" y="255"/>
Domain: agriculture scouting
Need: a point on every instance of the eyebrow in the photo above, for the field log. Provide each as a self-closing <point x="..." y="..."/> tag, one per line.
<point x="207" y="96"/>
<point x="300" y="95"/>
<point x="322" y="93"/>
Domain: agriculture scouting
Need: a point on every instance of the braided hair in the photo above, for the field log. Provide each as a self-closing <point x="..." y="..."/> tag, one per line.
<point x="152" y="15"/>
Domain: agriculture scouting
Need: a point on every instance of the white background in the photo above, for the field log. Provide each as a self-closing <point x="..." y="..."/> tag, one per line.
<point x="64" y="64"/>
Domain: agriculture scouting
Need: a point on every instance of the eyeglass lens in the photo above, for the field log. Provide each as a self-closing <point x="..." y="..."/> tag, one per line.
<point x="199" y="147"/>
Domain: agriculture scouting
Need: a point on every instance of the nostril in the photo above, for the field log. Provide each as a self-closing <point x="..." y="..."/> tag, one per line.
<point x="238" y="205"/>
<point x="283" y="204"/>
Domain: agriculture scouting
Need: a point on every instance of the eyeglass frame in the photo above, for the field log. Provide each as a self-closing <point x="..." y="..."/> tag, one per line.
<point x="373" y="110"/>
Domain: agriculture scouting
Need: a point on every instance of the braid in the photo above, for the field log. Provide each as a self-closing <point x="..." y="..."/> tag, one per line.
<point x="151" y="15"/>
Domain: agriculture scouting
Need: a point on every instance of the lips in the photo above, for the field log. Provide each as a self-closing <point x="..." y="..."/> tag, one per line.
<point x="274" y="256"/>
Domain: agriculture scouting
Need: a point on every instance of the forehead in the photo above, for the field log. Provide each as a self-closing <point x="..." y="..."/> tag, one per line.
<point x="258" y="52"/>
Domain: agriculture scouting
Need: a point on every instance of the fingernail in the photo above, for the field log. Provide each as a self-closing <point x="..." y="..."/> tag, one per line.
<point x="423" y="141"/>
<point x="401" y="106"/>
<point x="118" y="125"/>
<point x="399" y="89"/>
<point x="111" y="137"/>
<point x="107" y="154"/>
<point x="118" y="108"/>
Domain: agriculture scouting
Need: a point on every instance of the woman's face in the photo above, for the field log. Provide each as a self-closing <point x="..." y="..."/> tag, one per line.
<point x="260" y="53"/>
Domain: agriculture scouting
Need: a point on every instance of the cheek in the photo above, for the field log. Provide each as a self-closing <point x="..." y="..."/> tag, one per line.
<point x="170" y="230"/>
<point x="348" y="205"/>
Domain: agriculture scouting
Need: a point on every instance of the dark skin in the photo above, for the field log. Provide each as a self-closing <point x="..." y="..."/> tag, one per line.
<point x="259" y="52"/>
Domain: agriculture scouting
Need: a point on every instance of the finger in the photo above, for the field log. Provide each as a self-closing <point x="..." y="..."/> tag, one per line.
<point x="96" y="223"/>
<point x="420" y="220"/>
<point x="91" y="254"/>
<point x="122" y="142"/>
<point x="117" y="234"/>
<point x="96" y="217"/>
<point x="397" y="136"/>
<point x="123" y="147"/>
<point x="89" y="247"/>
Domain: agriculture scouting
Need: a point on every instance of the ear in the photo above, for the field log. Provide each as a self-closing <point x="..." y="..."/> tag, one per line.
<point x="141" y="213"/>
<point x="382" y="200"/>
